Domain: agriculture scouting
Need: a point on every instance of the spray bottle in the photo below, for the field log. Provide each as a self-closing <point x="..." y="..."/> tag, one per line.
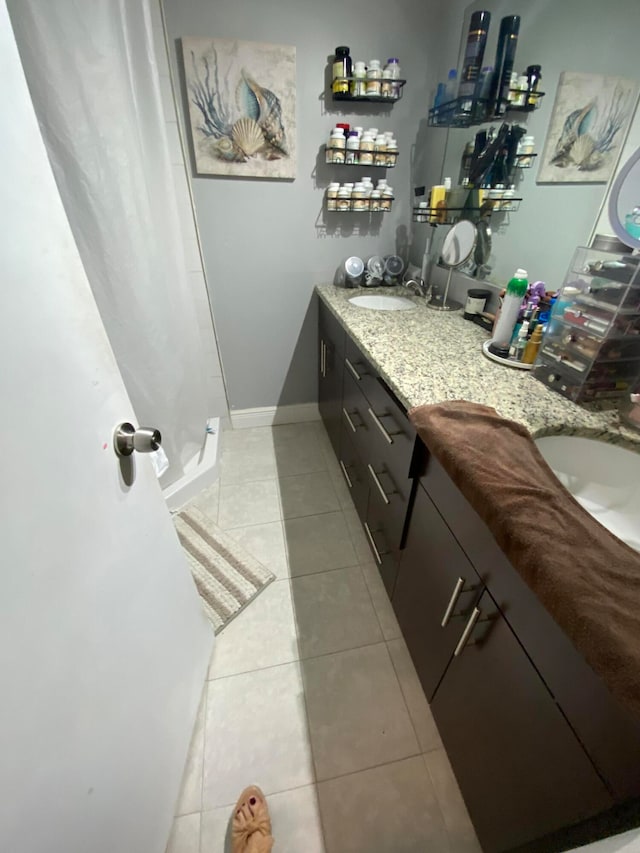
<point x="511" y="304"/>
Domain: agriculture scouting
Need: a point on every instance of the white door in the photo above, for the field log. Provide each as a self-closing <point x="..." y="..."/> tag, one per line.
<point x="103" y="645"/>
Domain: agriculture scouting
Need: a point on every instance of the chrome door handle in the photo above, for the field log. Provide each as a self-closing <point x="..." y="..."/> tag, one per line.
<point x="352" y="426"/>
<point x="352" y="369"/>
<point x="323" y="359"/>
<point x="373" y="544"/>
<point x="462" y="642"/>
<point x="126" y="439"/>
<point x="344" y="473"/>
<point x="375" y="479"/>
<point x="380" y="425"/>
<point x="452" y="602"/>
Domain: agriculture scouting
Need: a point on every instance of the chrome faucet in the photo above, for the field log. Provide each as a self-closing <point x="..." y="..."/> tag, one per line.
<point x="417" y="286"/>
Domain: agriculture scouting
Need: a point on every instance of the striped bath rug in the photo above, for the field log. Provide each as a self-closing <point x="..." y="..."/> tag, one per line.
<point x="227" y="577"/>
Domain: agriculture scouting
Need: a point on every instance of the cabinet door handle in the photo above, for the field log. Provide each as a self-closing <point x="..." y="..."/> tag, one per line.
<point x="380" y="425"/>
<point x="452" y="602"/>
<point x="352" y="370"/>
<point x="323" y="359"/>
<point x="375" y="479"/>
<point x="462" y="642"/>
<point x="373" y="544"/>
<point x="344" y="474"/>
<point x="352" y="426"/>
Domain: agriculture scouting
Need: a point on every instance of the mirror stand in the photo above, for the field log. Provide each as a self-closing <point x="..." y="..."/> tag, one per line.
<point x="457" y="248"/>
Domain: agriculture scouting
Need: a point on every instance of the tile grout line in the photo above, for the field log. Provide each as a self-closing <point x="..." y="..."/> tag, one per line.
<point x="300" y="660"/>
<point x="375" y="610"/>
<point x="404" y="698"/>
<point x="275" y="520"/>
<point x="437" y="798"/>
<point x="372" y="767"/>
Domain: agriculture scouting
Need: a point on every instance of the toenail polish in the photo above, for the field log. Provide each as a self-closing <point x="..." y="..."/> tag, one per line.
<point x="252" y="801"/>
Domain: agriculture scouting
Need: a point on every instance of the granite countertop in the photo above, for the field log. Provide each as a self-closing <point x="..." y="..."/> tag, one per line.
<point x="429" y="356"/>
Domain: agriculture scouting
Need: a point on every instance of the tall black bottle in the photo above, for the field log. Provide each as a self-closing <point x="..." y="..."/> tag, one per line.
<point x="474" y="53"/>
<point x="505" y="56"/>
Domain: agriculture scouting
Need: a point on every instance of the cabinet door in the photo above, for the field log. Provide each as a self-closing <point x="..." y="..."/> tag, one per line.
<point x="521" y="769"/>
<point x="436" y="584"/>
<point x="331" y="341"/>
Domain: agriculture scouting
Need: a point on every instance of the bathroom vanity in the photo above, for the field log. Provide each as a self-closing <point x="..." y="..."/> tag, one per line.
<point x="545" y="755"/>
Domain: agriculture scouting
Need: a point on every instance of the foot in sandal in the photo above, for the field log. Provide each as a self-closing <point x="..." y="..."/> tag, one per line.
<point x="251" y="824"/>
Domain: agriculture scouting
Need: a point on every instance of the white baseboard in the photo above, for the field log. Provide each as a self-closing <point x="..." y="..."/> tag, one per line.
<point x="271" y="415"/>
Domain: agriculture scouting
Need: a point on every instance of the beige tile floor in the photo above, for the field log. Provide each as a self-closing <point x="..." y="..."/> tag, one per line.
<point x="312" y="693"/>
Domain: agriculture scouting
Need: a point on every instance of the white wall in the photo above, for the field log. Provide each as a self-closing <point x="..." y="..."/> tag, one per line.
<point x="264" y="242"/>
<point x="216" y="394"/>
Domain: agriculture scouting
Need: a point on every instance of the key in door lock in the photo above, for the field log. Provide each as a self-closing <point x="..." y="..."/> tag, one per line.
<point x="127" y="438"/>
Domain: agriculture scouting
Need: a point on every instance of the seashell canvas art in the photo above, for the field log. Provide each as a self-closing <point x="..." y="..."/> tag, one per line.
<point x="588" y="127"/>
<point x="242" y="107"/>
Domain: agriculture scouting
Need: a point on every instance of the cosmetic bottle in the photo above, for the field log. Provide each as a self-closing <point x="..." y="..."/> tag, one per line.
<point x="534" y="76"/>
<point x="342" y="67"/>
<point x="484" y="85"/>
<point x="505" y="56"/>
<point x="437" y="203"/>
<point x="533" y="345"/>
<point x="511" y="304"/>
<point x="451" y="87"/>
<point x="518" y="346"/>
<point x="440" y="97"/>
<point x="474" y="54"/>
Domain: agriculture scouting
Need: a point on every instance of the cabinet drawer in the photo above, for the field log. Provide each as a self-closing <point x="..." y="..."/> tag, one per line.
<point x="355" y="419"/>
<point x="381" y="542"/>
<point x="354" y="471"/>
<point x="389" y="498"/>
<point x="391" y="435"/>
<point x="358" y="366"/>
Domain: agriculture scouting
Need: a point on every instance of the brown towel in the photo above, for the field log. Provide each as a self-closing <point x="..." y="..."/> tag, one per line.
<point x="585" y="576"/>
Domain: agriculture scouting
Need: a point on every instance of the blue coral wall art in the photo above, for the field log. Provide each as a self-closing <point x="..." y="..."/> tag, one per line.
<point x="589" y="123"/>
<point x="242" y="107"/>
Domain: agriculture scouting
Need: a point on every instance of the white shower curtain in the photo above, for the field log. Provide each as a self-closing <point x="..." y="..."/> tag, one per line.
<point x="93" y="76"/>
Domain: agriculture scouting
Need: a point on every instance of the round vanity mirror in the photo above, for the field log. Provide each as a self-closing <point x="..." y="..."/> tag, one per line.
<point x="457" y="248"/>
<point x="624" y="203"/>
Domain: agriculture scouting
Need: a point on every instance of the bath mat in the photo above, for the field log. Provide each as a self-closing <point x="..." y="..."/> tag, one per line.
<point x="227" y="577"/>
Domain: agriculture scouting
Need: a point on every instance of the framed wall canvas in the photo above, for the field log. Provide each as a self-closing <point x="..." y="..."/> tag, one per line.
<point x="589" y="123"/>
<point x="242" y="107"/>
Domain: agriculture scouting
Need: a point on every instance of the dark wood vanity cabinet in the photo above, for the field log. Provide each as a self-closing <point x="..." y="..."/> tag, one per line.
<point x="538" y="745"/>
<point x="523" y="772"/>
<point x="381" y="444"/>
<point x="330" y="372"/>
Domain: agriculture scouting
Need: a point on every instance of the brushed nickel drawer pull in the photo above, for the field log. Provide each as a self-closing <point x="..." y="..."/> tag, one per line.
<point x="452" y="602"/>
<point x="375" y="479"/>
<point x="352" y="370"/>
<point x="344" y="473"/>
<point x="379" y="424"/>
<point x="373" y="544"/>
<point x="352" y="426"/>
<point x="462" y="642"/>
<point x="323" y="356"/>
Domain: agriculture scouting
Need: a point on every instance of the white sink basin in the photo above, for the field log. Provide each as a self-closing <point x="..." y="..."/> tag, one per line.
<point x="603" y="478"/>
<point x="383" y="303"/>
